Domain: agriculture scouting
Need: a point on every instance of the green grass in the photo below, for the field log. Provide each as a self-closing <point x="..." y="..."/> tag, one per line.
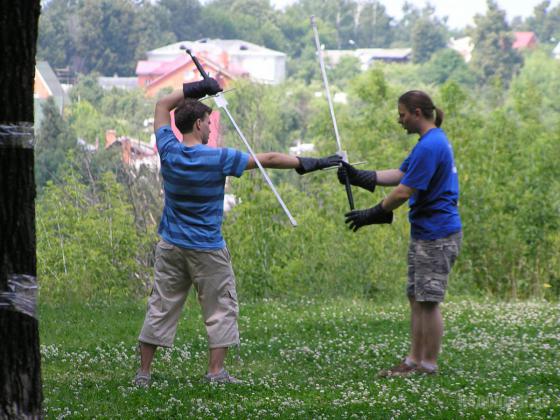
<point x="307" y="359"/>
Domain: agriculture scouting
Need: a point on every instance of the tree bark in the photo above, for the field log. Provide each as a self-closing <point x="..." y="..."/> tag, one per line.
<point x="20" y="361"/>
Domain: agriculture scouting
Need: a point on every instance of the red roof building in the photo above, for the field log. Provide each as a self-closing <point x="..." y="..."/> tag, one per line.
<point x="524" y="40"/>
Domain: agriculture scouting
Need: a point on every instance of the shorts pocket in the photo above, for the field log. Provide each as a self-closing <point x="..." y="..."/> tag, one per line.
<point x="232" y="293"/>
<point x="165" y="245"/>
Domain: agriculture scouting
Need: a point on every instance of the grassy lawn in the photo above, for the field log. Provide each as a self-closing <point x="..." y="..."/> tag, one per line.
<point x="307" y="359"/>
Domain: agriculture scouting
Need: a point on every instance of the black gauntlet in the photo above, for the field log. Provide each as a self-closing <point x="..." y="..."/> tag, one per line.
<point x="363" y="179"/>
<point x="313" y="164"/>
<point x="200" y="89"/>
<point x="355" y="219"/>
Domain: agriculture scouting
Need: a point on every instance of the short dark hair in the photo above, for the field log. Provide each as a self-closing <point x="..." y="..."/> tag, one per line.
<point x="418" y="99"/>
<point x="188" y="111"/>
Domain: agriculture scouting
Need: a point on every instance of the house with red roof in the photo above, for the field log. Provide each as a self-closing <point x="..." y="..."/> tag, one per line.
<point x="47" y="85"/>
<point x="524" y="40"/>
<point x="224" y="60"/>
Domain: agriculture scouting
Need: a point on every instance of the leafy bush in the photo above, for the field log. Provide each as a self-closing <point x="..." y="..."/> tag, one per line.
<point x="86" y="240"/>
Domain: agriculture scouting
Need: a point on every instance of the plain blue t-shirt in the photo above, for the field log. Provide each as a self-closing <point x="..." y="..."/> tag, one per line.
<point x="430" y="169"/>
<point x="193" y="182"/>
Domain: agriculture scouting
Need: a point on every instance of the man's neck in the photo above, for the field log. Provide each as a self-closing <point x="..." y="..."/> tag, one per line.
<point x="190" y="140"/>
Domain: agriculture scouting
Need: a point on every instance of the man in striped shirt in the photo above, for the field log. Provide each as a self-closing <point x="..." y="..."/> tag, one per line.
<point x="192" y="250"/>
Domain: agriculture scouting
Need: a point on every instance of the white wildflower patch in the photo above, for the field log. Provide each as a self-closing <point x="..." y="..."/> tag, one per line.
<point x="320" y="360"/>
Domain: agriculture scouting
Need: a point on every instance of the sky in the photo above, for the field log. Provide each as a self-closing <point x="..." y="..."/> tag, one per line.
<point x="459" y="12"/>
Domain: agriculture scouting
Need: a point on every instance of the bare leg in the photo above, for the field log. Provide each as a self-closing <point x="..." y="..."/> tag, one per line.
<point x="216" y="359"/>
<point x="416" y="331"/>
<point x="147" y="352"/>
<point x="432" y="328"/>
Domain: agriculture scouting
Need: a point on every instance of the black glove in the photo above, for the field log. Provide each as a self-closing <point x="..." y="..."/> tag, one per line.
<point x="312" y="164"/>
<point x="372" y="216"/>
<point x="200" y="89"/>
<point x="364" y="179"/>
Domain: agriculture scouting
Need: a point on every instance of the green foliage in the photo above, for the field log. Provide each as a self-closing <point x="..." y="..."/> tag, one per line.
<point x="447" y="64"/>
<point x="86" y="120"/>
<point x="493" y="57"/>
<point x="373" y="29"/>
<point x="346" y="69"/>
<point x="105" y="26"/>
<point x="545" y="22"/>
<point x="87" y="89"/>
<point x="86" y="240"/>
<point x="530" y="90"/>
<point x="57" y="32"/>
<point x="428" y="36"/>
<point x="181" y="17"/>
<point x="93" y="111"/>
<point x="54" y="140"/>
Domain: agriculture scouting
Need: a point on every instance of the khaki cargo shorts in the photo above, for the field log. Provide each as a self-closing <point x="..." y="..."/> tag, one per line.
<point x="211" y="273"/>
<point x="429" y="265"/>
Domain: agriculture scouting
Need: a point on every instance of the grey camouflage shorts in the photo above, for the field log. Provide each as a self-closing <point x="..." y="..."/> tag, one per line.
<point x="429" y="265"/>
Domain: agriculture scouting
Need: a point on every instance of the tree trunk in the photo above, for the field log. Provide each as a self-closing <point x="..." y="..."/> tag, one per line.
<point x="20" y="361"/>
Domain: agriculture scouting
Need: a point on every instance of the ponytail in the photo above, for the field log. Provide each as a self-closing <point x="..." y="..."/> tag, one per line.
<point x="414" y="99"/>
<point x="439" y="116"/>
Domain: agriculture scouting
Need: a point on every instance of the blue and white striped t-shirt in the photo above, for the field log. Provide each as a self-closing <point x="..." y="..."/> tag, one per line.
<point x="193" y="181"/>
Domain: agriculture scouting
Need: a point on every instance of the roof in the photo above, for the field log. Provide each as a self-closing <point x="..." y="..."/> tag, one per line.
<point x="524" y="39"/>
<point x="47" y="74"/>
<point x="211" y="47"/>
<point x="118" y="82"/>
<point x="367" y="55"/>
<point x="166" y="67"/>
<point x="384" y="53"/>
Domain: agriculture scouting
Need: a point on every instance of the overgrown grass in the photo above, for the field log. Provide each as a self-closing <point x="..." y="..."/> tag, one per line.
<point x="307" y="359"/>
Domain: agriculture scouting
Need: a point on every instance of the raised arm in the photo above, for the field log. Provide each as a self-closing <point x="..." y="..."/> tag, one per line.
<point x="194" y="90"/>
<point x="164" y="106"/>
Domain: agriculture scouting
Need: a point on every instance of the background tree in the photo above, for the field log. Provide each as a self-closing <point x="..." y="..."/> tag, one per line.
<point x="20" y="361"/>
<point x="545" y="22"/>
<point x="428" y="36"/>
<point x="493" y="56"/>
<point x="151" y="24"/>
<point x="182" y="18"/>
<point x="106" y="43"/>
<point x="57" y="33"/>
<point x="373" y="28"/>
<point x="447" y="64"/>
<point x="403" y="28"/>
<point x="54" y="140"/>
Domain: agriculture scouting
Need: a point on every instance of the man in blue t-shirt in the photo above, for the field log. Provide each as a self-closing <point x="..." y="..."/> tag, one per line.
<point x="428" y="180"/>
<point x="192" y="251"/>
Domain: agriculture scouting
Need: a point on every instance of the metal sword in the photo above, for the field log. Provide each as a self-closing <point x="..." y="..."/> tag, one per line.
<point x="331" y="108"/>
<point x="222" y="103"/>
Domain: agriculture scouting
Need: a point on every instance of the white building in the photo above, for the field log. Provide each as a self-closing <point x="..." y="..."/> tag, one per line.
<point x="238" y="57"/>
<point x="556" y="51"/>
<point x="463" y="46"/>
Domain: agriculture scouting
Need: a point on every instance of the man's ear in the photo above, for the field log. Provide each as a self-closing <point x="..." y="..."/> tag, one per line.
<point x="197" y="123"/>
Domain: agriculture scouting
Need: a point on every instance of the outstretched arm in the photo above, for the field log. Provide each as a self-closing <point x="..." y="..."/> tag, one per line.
<point x="389" y="177"/>
<point x="274" y="160"/>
